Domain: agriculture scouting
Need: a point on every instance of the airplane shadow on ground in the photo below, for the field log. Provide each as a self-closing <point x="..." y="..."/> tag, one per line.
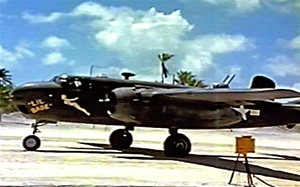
<point x="216" y="161"/>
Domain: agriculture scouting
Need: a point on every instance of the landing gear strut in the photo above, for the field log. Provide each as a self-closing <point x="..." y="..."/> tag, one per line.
<point x="32" y="142"/>
<point x="120" y="139"/>
<point x="177" y="145"/>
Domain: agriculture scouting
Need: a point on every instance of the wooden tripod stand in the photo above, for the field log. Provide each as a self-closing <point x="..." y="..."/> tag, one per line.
<point x="244" y="145"/>
<point x="246" y="164"/>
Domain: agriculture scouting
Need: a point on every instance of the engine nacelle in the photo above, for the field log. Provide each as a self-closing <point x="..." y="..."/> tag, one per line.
<point x="123" y="94"/>
<point x="126" y="105"/>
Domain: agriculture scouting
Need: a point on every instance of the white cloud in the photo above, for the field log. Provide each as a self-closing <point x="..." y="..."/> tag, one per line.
<point x="297" y="86"/>
<point x="284" y="66"/>
<point x="55" y="42"/>
<point x="92" y="9"/>
<point x="151" y="30"/>
<point x="240" y="5"/>
<point x="140" y="37"/>
<point x="24" y="51"/>
<point x="41" y="18"/>
<point x="247" y="5"/>
<point x="237" y="80"/>
<point x="251" y="5"/>
<point x="136" y="37"/>
<point x="54" y="58"/>
<point x="284" y="6"/>
<point x="198" y="62"/>
<point x="222" y="43"/>
<point x="10" y="58"/>
<point x="198" y="55"/>
<point x="295" y="42"/>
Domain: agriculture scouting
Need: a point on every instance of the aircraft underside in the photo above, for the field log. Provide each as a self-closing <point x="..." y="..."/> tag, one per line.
<point x="176" y="144"/>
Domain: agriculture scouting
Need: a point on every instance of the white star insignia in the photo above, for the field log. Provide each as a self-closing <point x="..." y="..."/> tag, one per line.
<point x="242" y="111"/>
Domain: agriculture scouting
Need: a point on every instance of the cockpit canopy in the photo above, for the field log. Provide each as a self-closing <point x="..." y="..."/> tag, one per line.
<point x="72" y="82"/>
<point x="60" y="78"/>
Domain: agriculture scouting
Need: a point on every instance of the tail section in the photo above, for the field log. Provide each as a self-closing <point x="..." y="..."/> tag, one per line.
<point x="262" y="82"/>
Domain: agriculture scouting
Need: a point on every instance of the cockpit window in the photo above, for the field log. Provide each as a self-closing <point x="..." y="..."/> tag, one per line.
<point x="71" y="82"/>
<point x="102" y="75"/>
<point x="54" y="79"/>
<point x="60" y="78"/>
<point x="63" y="78"/>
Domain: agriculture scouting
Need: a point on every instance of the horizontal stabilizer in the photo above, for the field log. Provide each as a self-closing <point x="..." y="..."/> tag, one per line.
<point x="295" y="102"/>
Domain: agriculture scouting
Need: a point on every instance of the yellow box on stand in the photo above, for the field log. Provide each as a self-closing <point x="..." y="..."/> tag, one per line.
<point x="245" y="144"/>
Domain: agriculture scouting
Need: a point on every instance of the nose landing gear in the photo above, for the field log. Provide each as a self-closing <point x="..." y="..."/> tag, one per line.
<point x="32" y="142"/>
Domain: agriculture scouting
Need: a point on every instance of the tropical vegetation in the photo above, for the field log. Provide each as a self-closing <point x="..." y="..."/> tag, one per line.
<point x="183" y="77"/>
<point x="6" y="105"/>
<point x="164" y="57"/>
<point x="189" y="79"/>
<point x="5" y="78"/>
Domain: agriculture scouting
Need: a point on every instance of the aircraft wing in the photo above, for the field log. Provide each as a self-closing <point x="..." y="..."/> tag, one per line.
<point x="229" y="96"/>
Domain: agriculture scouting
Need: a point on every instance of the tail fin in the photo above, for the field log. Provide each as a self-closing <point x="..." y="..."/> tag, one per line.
<point x="262" y="82"/>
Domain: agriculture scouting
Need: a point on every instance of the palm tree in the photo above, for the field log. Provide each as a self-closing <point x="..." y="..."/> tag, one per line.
<point x="188" y="79"/>
<point x="6" y="105"/>
<point x="5" y="78"/>
<point x="163" y="57"/>
<point x="184" y="77"/>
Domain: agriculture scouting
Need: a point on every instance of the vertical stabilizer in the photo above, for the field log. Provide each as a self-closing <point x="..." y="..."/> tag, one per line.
<point x="262" y="82"/>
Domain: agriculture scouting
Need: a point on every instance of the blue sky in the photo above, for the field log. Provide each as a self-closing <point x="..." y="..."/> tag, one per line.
<point x="211" y="38"/>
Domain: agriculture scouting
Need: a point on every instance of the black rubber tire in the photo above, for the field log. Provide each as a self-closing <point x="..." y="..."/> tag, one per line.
<point x="177" y="145"/>
<point x="31" y="143"/>
<point x="120" y="139"/>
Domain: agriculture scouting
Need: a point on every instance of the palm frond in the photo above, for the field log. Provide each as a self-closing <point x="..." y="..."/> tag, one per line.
<point x="188" y="78"/>
<point x="5" y="77"/>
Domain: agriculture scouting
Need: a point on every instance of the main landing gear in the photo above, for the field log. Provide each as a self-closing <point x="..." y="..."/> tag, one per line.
<point x="120" y="139"/>
<point x="176" y="145"/>
<point x="32" y="142"/>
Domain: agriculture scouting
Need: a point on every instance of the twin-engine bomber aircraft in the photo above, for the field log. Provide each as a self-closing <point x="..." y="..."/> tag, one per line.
<point x="107" y="101"/>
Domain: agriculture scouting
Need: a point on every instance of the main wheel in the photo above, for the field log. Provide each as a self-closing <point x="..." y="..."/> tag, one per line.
<point x="177" y="145"/>
<point x="120" y="139"/>
<point x="31" y="143"/>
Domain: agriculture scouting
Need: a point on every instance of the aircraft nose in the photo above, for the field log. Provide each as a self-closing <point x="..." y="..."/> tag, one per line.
<point x="24" y="94"/>
<point x="19" y="101"/>
<point x="17" y="94"/>
<point x="34" y="88"/>
<point x="24" y="91"/>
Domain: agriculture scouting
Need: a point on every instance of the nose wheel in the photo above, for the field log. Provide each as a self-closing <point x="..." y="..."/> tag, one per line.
<point x="177" y="145"/>
<point x="120" y="139"/>
<point x="31" y="143"/>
